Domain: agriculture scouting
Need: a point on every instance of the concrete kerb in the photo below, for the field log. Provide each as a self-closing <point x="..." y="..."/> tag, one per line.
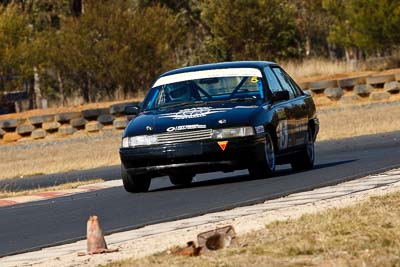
<point x="160" y="237"/>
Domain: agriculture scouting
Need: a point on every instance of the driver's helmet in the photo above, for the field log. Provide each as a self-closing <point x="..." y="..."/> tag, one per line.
<point x="178" y="92"/>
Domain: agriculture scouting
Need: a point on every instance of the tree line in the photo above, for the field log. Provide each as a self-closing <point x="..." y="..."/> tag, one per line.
<point x="107" y="49"/>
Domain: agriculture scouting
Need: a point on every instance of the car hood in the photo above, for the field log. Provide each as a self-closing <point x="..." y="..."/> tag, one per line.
<point x="208" y="116"/>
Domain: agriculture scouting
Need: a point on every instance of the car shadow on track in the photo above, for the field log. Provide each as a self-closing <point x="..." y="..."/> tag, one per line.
<point x="246" y="178"/>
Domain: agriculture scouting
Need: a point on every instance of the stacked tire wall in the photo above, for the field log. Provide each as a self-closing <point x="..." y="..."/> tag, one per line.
<point x="111" y="119"/>
<point x="378" y="87"/>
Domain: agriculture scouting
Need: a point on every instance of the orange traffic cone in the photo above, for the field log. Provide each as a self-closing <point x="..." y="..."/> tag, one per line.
<point x="95" y="237"/>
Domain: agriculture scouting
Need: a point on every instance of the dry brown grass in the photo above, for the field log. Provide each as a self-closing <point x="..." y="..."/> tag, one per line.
<point x="91" y="153"/>
<point x="366" y="234"/>
<point x="66" y="186"/>
<point x="316" y="67"/>
<point x="359" y="120"/>
<point x="59" y="157"/>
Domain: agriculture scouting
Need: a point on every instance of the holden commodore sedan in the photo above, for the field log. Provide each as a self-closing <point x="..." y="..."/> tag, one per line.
<point x="218" y="117"/>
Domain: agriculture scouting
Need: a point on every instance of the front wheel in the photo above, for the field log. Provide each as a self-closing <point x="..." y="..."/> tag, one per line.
<point x="304" y="160"/>
<point x="266" y="166"/>
<point x="181" y="179"/>
<point x="135" y="183"/>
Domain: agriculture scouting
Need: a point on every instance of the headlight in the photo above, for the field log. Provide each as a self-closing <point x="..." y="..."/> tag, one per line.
<point x="232" y="132"/>
<point x="141" y="140"/>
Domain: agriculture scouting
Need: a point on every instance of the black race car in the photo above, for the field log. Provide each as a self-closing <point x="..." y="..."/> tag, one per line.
<point x="218" y="117"/>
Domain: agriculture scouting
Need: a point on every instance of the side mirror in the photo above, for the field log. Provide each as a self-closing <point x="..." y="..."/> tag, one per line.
<point x="131" y="110"/>
<point x="280" y="96"/>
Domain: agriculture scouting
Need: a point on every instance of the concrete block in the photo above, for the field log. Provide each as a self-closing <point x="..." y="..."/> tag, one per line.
<point x="120" y="123"/>
<point x="334" y="93"/>
<point x="380" y="79"/>
<point x="51" y="126"/>
<point x="11" y="137"/>
<point x="66" y="129"/>
<point x="378" y="96"/>
<point x="78" y="122"/>
<point x="351" y="82"/>
<point x="41" y="119"/>
<point x="392" y="87"/>
<point x="11" y="123"/>
<point x="67" y="116"/>
<point x="106" y="119"/>
<point x="25" y="129"/>
<point x="2" y="132"/>
<point x="93" y="126"/>
<point x="38" y="134"/>
<point x="93" y="113"/>
<point x="320" y="85"/>
<point x="119" y="109"/>
<point x="363" y="90"/>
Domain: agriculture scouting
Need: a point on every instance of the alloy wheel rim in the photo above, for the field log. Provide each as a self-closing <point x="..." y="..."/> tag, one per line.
<point x="270" y="153"/>
<point x="310" y="148"/>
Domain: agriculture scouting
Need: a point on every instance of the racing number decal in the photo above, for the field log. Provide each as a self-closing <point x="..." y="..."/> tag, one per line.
<point x="282" y="131"/>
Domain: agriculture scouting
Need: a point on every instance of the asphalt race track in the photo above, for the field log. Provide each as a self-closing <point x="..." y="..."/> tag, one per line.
<point x="34" y="225"/>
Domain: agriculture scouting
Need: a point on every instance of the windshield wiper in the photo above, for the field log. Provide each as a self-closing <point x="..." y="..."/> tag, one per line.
<point x="182" y="104"/>
<point x="236" y="99"/>
<point x="240" y="99"/>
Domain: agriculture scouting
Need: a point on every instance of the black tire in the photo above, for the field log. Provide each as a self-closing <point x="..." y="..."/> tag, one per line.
<point x="181" y="179"/>
<point x="266" y="166"/>
<point x="135" y="184"/>
<point x="304" y="160"/>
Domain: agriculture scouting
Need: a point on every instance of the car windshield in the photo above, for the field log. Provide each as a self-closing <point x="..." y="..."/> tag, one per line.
<point x="205" y="86"/>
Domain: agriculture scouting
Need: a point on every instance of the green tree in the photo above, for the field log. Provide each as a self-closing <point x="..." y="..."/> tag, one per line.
<point x="371" y="27"/>
<point x="312" y="22"/>
<point x="15" y="40"/>
<point x="250" y="29"/>
<point x="115" y="45"/>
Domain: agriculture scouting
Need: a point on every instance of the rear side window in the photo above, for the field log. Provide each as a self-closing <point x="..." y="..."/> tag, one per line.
<point x="294" y="85"/>
<point x="285" y="82"/>
<point x="273" y="83"/>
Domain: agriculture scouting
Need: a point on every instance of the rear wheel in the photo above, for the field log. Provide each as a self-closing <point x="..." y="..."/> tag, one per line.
<point x="181" y="179"/>
<point x="135" y="183"/>
<point x="304" y="160"/>
<point x="266" y="166"/>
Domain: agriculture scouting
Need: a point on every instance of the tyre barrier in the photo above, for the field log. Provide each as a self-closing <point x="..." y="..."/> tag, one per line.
<point x="377" y="87"/>
<point x="65" y="124"/>
<point x="322" y="85"/>
<point x="380" y="79"/>
<point x="351" y="82"/>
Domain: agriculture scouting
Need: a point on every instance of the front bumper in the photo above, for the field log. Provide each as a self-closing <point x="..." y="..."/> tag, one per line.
<point x="193" y="157"/>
